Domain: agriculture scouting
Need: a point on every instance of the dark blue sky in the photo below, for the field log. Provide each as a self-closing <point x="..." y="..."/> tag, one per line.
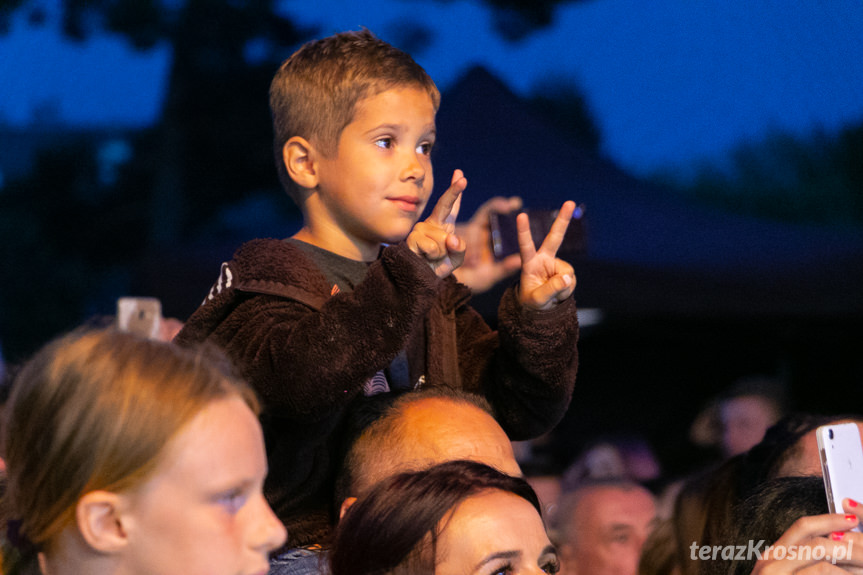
<point x="668" y="81"/>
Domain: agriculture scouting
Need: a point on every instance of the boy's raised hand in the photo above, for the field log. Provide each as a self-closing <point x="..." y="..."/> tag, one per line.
<point x="434" y="238"/>
<point x="545" y="279"/>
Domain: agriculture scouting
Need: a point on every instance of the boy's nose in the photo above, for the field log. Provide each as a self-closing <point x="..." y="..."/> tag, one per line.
<point x="414" y="168"/>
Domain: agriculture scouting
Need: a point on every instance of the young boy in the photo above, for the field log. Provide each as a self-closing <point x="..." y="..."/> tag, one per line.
<point x="361" y="300"/>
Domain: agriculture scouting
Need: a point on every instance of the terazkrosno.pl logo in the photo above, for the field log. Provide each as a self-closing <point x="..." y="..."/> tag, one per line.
<point x="757" y="550"/>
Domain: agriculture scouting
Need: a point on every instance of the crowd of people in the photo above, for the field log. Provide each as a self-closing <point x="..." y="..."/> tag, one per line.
<point x="336" y="406"/>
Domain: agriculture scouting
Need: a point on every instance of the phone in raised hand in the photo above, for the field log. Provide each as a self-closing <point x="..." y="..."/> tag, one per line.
<point x="841" y="463"/>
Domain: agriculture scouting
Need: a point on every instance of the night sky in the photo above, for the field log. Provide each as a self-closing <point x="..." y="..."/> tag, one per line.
<point x="668" y="82"/>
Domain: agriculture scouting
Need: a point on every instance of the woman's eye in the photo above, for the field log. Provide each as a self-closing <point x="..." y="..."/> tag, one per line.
<point x="503" y="570"/>
<point x="549" y="563"/>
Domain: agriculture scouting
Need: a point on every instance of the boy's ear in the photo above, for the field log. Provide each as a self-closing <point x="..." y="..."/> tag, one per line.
<point x="99" y="518"/>
<point x="299" y="157"/>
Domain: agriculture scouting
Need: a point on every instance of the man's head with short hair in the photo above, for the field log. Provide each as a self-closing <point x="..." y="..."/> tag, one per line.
<point x="421" y="429"/>
<point x="600" y="527"/>
<point x="315" y="92"/>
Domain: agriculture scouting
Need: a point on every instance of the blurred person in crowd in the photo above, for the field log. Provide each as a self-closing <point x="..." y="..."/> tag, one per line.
<point x="619" y="456"/>
<point x="600" y="527"/>
<point x="737" y="419"/>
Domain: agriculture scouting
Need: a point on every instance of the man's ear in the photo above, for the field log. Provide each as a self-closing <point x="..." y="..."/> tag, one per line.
<point x="346" y="504"/>
<point x="299" y="156"/>
<point x="99" y="519"/>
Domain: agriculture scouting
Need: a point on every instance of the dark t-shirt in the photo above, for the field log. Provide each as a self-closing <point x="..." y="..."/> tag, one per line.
<point x="339" y="270"/>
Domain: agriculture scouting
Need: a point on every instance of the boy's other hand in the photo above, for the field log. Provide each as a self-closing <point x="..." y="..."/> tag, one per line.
<point x="480" y="270"/>
<point x="545" y="279"/>
<point x="434" y="238"/>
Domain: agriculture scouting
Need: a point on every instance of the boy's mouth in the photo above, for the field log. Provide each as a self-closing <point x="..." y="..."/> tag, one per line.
<point x="406" y="203"/>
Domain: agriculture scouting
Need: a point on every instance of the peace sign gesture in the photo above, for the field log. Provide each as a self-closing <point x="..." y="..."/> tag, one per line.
<point x="545" y="279"/>
<point x="434" y="238"/>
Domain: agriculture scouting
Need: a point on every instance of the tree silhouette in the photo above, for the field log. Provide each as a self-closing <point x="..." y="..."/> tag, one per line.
<point x="814" y="179"/>
<point x="564" y="106"/>
<point x="515" y="19"/>
<point x="212" y="144"/>
<point x="210" y="147"/>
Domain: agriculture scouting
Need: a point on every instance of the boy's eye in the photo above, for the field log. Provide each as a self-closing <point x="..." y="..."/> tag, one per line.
<point x="385" y="143"/>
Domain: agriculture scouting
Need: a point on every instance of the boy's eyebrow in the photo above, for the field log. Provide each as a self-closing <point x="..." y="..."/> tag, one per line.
<point x="428" y="129"/>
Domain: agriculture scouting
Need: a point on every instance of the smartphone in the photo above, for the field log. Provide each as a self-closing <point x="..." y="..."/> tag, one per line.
<point x="504" y="232"/>
<point x="841" y="463"/>
<point x="140" y="315"/>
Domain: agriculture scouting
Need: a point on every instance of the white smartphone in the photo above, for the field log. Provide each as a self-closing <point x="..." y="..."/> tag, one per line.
<point x="140" y="315"/>
<point x="841" y="463"/>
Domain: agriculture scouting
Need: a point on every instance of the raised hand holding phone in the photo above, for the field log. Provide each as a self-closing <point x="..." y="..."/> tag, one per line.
<point x="481" y="269"/>
<point x="841" y="463"/>
<point x="545" y="279"/>
<point x="821" y="544"/>
<point x="434" y="238"/>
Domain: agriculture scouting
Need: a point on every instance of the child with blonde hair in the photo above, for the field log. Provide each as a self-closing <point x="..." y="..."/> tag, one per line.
<point x="132" y="456"/>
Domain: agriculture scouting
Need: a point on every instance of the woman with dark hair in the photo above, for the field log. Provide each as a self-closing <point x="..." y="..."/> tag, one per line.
<point x="457" y="517"/>
<point x="790" y="515"/>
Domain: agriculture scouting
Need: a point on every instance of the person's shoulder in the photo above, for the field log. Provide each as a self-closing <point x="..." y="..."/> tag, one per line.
<point x="267" y="248"/>
<point x="269" y="259"/>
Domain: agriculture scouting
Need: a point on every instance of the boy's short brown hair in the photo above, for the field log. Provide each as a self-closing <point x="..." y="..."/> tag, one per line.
<point x="315" y="92"/>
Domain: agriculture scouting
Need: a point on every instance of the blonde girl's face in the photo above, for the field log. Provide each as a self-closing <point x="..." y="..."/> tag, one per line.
<point x="495" y="533"/>
<point x="203" y="511"/>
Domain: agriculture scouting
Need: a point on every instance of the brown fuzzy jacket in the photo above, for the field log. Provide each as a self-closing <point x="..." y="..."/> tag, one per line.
<point x="308" y="354"/>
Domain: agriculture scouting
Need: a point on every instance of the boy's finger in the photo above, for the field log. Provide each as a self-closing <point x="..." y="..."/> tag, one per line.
<point x="455" y="250"/>
<point x="554" y="239"/>
<point x="449" y="200"/>
<point x="526" y="247"/>
<point x="555" y="290"/>
<point x="453" y="213"/>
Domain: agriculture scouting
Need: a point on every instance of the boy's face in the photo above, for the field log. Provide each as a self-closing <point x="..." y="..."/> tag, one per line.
<point x="375" y="187"/>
